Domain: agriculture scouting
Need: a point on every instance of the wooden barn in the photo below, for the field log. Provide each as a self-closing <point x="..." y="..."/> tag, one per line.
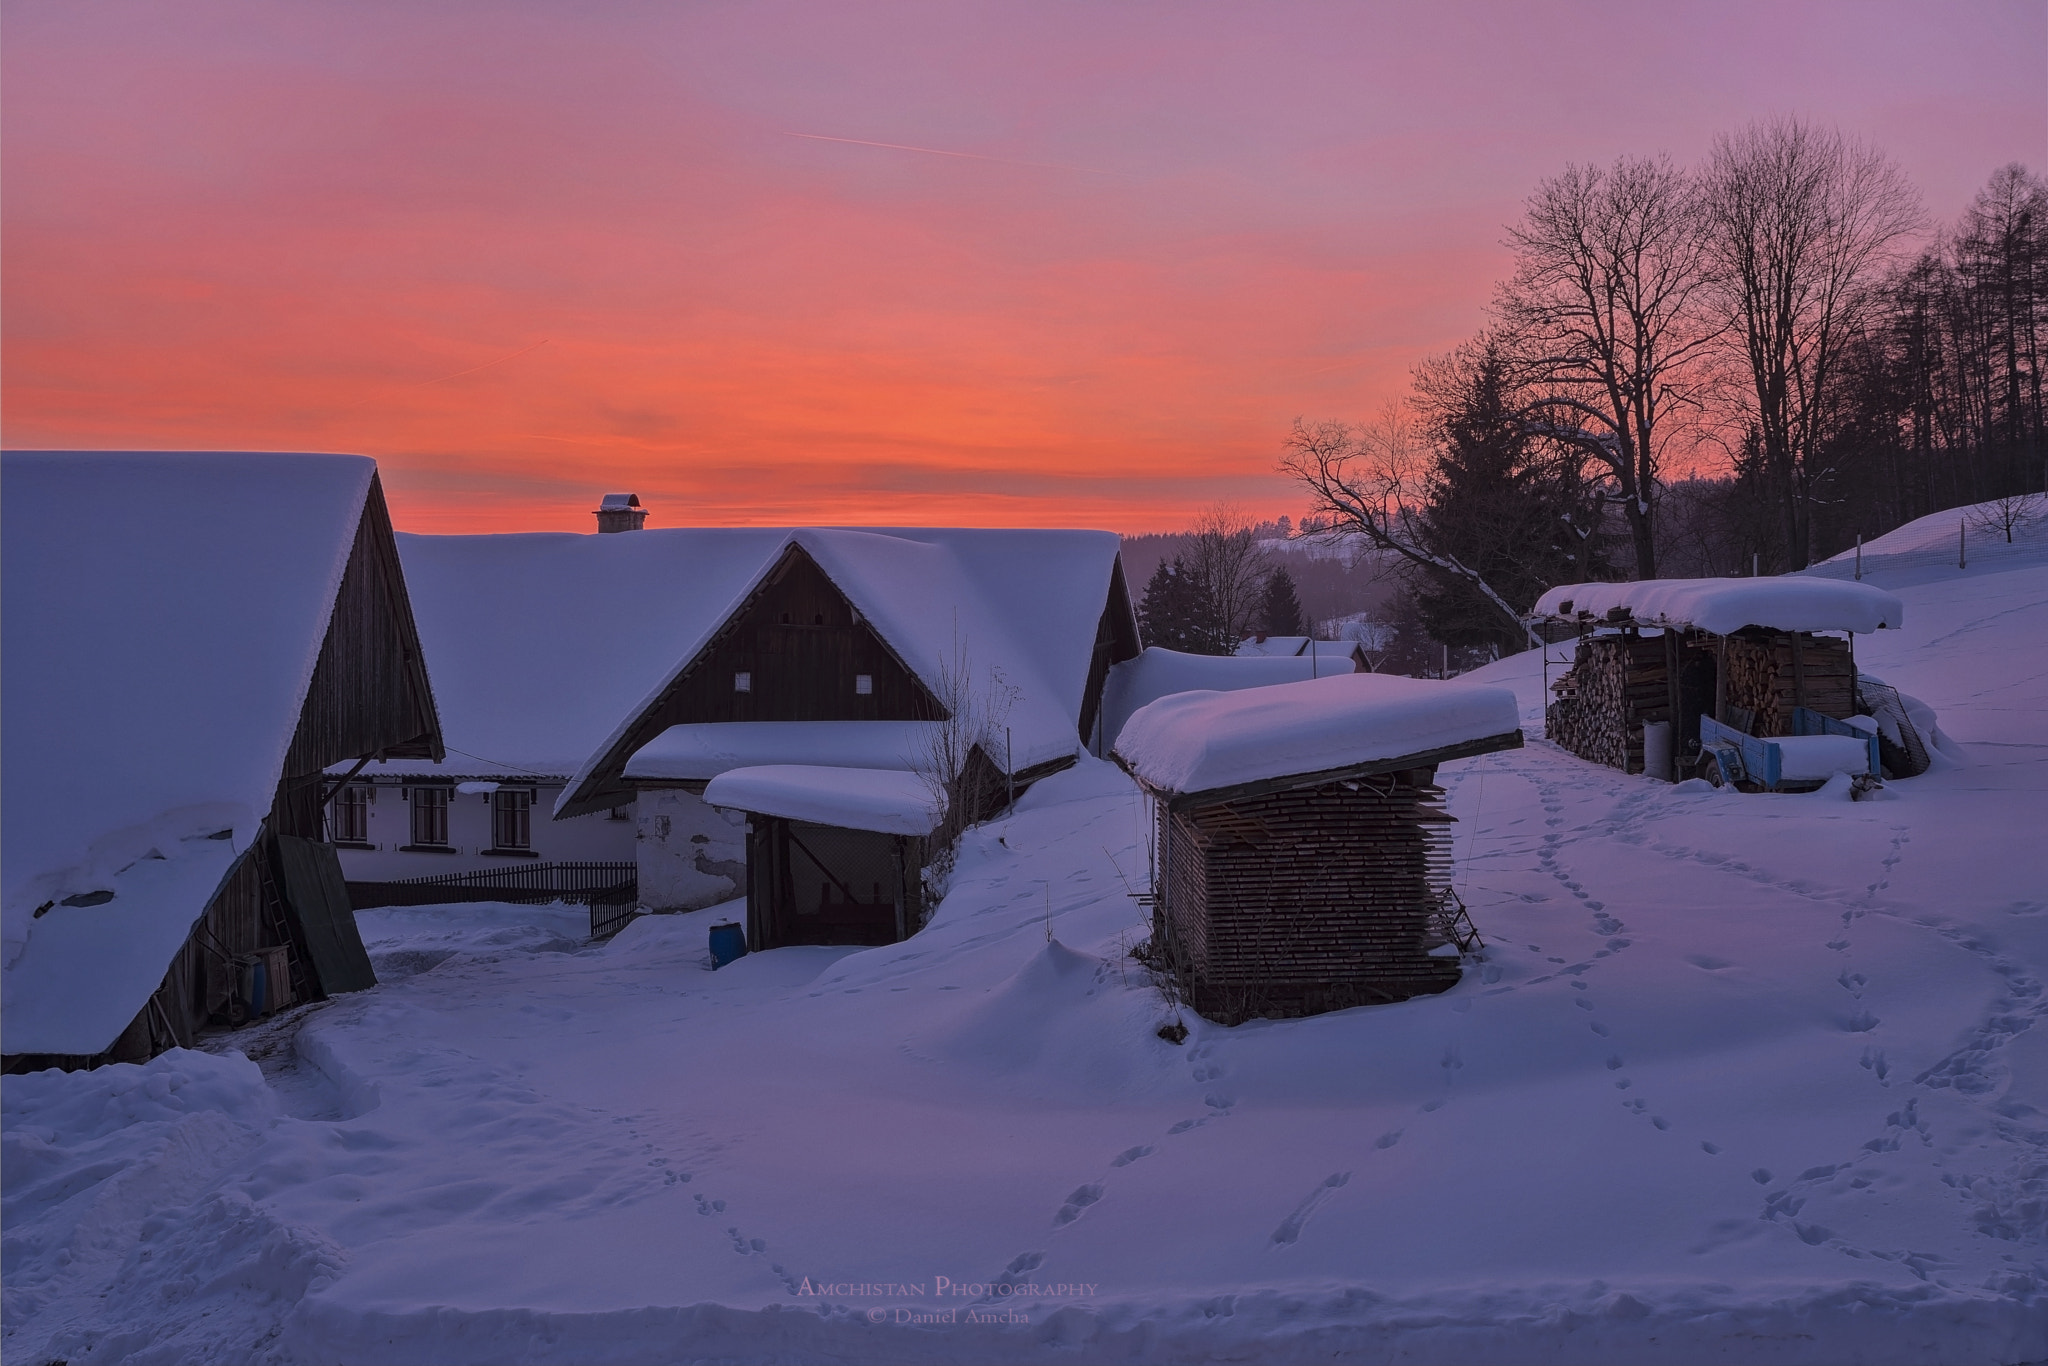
<point x="1303" y="856"/>
<point x="980" y="655"/>
<point x="1655" y="656"/>
<point x="191" y="640"/>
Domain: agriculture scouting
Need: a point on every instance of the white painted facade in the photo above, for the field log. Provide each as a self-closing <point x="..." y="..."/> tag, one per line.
<point x="690" y="855"/>
<point x="389" y="853"/>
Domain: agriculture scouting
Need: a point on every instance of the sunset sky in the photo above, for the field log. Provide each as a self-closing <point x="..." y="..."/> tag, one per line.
<point x="527" y="254"/>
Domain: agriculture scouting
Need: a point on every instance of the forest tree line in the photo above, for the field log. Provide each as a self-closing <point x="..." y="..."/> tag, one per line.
<point x="1701" y="371"/>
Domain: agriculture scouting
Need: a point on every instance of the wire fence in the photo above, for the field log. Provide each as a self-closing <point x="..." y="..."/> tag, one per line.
<point x="1973" y="545"/>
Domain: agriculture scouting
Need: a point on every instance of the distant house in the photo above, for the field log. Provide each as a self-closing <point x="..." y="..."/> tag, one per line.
<point x="1333" y="656"/>
<point x="190" y="641"/>
<point x="980" y="656"/>
<point x="1302" y="848"/>
<point x="1655" y="656"/>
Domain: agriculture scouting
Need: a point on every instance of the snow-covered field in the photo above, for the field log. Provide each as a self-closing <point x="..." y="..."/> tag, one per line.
<point x="1738" y="1079"/>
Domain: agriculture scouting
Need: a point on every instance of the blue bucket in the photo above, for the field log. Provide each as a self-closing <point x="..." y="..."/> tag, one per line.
<point x="728" y="941"/>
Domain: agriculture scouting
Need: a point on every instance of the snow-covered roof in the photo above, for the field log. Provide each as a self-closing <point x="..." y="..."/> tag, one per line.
<point x="695" y="753"/>
<point x="162" y="616"/>
<point x="892" y="802"/>
<point x="1018" y="607"/>
<point x="618" y="502"/>
<point x="1724" y="606"/>
<point x="538" y="643"/>
<point x="1200" y="741"/>
<point x="1340" y="652"/>
<point x="1159" y="672"/>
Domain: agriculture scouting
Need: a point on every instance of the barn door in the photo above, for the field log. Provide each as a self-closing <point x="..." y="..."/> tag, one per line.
<point x="316" y="899"/>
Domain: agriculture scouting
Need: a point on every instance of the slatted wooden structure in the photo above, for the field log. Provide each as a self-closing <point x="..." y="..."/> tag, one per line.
<point x="1309" y="892"/>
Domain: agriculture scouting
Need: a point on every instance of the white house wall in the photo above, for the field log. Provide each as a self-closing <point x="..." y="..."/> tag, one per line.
<point x="690" y="855"/>
<point x="594" y="838"/>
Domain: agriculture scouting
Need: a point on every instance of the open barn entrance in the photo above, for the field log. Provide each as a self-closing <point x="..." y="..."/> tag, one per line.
<point x="824" y="884"/>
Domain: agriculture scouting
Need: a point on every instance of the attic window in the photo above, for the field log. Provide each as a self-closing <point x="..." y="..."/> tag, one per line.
<point x="864" y="684"/>
<point x="818" y="619"/>
<point x="743" y="681"/>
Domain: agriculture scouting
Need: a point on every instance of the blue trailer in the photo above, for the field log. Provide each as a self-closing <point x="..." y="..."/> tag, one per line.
<point x="1729" y="757"/>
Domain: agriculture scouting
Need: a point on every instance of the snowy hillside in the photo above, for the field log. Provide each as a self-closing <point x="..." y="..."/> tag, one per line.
<point x="1737" y="1079"/>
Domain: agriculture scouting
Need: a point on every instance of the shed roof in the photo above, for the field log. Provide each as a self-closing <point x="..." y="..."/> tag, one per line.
<point x="1158" y="672"/>
<point x="1199" y="742"/>
<point x="701" y="752"/>
<point x="888" y="801"/>
<point x="163" y="614"/>
<point x="1724" y="606"/>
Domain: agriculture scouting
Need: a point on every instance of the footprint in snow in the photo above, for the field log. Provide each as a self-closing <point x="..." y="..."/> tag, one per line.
<point x="1290" y="1228"/>
<point x="1130" y="1155"/>
<point x="1080" y="1200"/>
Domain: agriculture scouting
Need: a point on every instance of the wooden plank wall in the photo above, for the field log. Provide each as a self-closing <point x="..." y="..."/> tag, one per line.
<point x="1308" y="899"/>
<point x="368" y="693"/>
<point x="803" y="644"/>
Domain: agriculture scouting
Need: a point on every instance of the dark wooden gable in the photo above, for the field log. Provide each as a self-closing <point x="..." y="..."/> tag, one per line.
<point x="802" y="645"/>
<point x="369" y="695"/>
<point x="1116" y="640"/>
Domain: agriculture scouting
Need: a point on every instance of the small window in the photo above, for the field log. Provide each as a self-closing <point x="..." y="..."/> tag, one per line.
<point x="348" y="816"/>
<point x="743" y="681"/>
<point x="512" y="818"/>
<point x="430" y="815"/>
<point x="864" y="684"/>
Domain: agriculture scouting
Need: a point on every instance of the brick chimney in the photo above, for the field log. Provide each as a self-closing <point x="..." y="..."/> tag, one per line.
<point x="621" y="512"/>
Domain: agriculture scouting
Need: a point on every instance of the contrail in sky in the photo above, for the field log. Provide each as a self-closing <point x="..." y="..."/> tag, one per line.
<point x="486" y="365"/>
<point x="942" y="152"/>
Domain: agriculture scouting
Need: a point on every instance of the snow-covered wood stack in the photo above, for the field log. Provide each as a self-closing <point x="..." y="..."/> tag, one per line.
<point x="1743" y="651"/>
<point x="181" y="666"/>
<point x="1302" y="845"/>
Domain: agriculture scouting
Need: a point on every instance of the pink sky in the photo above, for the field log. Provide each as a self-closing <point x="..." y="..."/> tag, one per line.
<point x="528" y="254"/>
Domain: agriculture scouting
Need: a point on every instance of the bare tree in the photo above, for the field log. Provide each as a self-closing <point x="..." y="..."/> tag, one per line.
<point x="2004" y="516"/>
<point x="1370" y="481"/>
<point x="975" y="707"/>
<point x="1227" y="560"/>
<point x="1799" y="220"/>
<point x="1604" y="311"/>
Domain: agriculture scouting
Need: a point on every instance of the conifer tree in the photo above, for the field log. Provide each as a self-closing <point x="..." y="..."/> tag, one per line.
<point x="1281" y="611"/>
<point x="1178" y="612"/>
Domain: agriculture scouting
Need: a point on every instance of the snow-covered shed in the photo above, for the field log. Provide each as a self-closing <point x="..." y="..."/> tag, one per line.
<point x="1656" y="655"/>
<point x="1302" y="851"/>
<point x="981" y="654"/>
<point x="1159" y="672"/>
<point x="834" y="855"/>
<point x="190" y="641"/>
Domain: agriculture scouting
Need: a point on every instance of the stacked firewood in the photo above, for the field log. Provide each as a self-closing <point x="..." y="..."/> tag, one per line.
<point x="1769" y="675"/>
<point x="1615" y="682"/>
